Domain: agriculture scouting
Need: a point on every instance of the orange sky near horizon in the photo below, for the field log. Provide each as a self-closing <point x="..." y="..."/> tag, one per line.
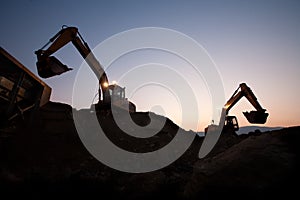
<point x="256" y="42"/>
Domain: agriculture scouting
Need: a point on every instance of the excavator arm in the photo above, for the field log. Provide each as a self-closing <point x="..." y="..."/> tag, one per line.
<point x="256" y="117"/>
<point x="49" y="66"/>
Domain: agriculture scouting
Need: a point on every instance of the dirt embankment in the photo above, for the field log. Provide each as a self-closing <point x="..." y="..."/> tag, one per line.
<point x="48" y="159"/>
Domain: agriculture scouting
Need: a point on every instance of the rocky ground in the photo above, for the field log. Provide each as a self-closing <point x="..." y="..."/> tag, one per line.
<point x="46" y="159"/>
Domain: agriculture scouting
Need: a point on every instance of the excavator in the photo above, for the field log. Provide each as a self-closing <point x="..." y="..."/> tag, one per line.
<point x="258" y="116"/>
<point x="49" y="66"/>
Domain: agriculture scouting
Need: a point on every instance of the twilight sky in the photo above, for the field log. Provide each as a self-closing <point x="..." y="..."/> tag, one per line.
<point x="257" y="42"/>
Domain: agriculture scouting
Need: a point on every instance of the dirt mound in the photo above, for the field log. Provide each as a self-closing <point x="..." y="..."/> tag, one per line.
<point x="48" y="158"/>
<point x="263" y="165"/>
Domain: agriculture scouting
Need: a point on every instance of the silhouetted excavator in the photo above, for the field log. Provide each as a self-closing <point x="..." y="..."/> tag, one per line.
<point x="48" y="66"/>
<point x="258" y="116"/>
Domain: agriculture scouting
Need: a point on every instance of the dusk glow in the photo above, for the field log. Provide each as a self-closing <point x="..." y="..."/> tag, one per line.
<point x="256" y="42"/>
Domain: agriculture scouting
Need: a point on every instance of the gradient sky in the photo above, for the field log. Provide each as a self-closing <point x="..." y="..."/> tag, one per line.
<point x="257" y="42"/>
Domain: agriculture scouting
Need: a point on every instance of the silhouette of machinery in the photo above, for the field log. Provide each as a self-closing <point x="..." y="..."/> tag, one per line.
<point x="258" y="116"/>
<point x="48" y="66"/>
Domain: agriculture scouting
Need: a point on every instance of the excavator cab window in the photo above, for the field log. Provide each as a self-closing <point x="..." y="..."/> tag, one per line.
<point x="116" y="92"/>
<point x="231" y="123"/>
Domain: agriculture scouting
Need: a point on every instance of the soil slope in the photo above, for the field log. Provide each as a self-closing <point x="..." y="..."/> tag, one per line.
<point x="46" y="159"/>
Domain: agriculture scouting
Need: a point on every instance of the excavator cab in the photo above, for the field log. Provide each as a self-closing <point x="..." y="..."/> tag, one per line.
<point x="117" y="96"/>
<point x="231" y="123"/>
<point x="116" y="92"/>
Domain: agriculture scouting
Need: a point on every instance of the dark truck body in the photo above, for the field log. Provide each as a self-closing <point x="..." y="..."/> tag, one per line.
<point x="20" y="89"/>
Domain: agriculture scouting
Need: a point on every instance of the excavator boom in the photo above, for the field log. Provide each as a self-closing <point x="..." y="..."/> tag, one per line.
<point x="49" y="66"/>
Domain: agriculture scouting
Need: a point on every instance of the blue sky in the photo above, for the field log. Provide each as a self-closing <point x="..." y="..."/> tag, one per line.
<point x="257" y="42"/>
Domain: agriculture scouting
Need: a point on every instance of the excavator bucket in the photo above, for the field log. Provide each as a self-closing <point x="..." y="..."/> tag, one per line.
<point x="256" y="117"/>
<point x="50" y="66"/>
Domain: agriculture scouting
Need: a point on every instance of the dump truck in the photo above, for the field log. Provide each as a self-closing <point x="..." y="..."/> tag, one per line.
<point x="21" y="91"/>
